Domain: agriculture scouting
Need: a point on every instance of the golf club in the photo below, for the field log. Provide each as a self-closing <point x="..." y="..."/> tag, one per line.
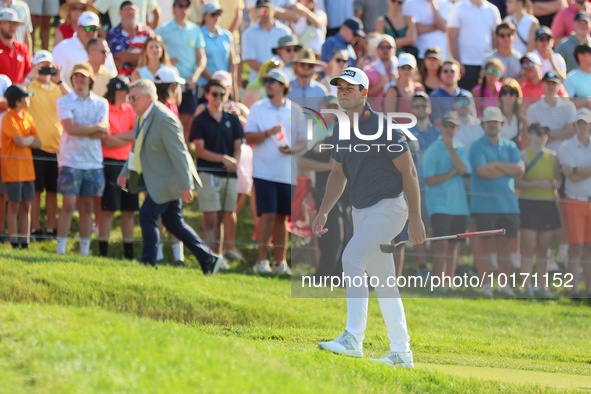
<point x="389" y="248"/>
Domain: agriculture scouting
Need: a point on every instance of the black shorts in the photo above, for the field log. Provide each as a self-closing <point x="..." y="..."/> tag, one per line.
<point x="539" y="215"/>
<point x="114" y="198"/>
<point x="189" y="103"/>
<point x="494" y="221"/>
<point x="272" y="197"/>
<point x="442" y="224"/>
<point x="46" y="171"/>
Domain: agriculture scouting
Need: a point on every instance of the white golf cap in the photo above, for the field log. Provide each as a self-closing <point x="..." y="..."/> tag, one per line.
<point x="89" y="18"/>
<point x="406" y="59"/>
<point x="42" y="56"/>
<point x="584" y="114"/>
<point x="492" y="114"/>
<point x="8" y="14"/>
<point x="168" y="74"/>
<point x="387" y="38"/>
<point x="223" y="76"/>
<point x="353" y="75"/>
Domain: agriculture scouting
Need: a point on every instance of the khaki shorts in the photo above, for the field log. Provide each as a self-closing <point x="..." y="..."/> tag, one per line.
<point x="212" y="193"/>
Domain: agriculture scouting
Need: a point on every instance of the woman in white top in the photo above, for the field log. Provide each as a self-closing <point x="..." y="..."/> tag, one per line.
<point x="526" y="24"/>
<point x="311" y="25"/>
<point x="338" y="62"/>
<point x="511" y="105"/>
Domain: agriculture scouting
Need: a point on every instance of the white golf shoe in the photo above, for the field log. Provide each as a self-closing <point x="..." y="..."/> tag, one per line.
<point x="345" y="344"/>
<point x="281" y="268"/>
<point x="395" y="359"/>
<point x="262" y="267"/>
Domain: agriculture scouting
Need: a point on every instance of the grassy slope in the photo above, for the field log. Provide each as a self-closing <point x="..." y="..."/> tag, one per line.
<point x="257" y="315"/>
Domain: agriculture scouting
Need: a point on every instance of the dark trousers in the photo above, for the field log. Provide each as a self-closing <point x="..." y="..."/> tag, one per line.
<point x="172" y="219"/>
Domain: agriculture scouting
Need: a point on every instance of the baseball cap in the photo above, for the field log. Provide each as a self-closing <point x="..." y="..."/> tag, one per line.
<point x="433" y="52"/>
<point x="118" y="83"/>
<point x="353" y="75"/>
<point x="16" y="92"/>
<point x="264" y="3"/>
<point x="537" y="127"/>
<point x="210" y="8"/>
<point x="8" y="14"/>
<point x="492" y="114"/>
<point x="582" y="114"/>
<point x="423" y="95"/>
<point x="388" y="38"/>
<point x="277" y="75"/>
<point x="287" y="41"/>
<point x="89" y="18"/>
<point x="532" y="57"/>
<point x="406" y="59"/>
<point x="42" y="56"/>
<point x="543" y="31"/>
<point x="223" y="76"/>
<point x="582" y="16"/>
<point x="166" y="74"/>
<point x="550" y="76"/>
<point x="84" y="69"/>
<point x="356" y="25"/>
<point x="451" y="117"/>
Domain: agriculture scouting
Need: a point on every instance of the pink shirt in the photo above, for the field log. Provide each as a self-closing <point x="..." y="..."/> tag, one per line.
<point x="120" y="120"/>
<point x="564" y="20"/>
<point x="487" y="99"/>
<point x="374" y="76"/>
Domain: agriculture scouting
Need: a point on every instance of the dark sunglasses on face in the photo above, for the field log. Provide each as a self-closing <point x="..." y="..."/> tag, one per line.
<point x="218" y="94"/>
<point x="307" y="65"/>
<point x="544" y="39"/>
<point x="342" y="61"/>
<point x="183" y="5"/>
<point x="406" y="67"/>
<point x="291" y="49"/>
<point x="388" y="47"/>
<point x="527" y="64"/>
<point x="463" y="103"/>
<point x="81" y="9"/>
<point x="270" y="81"/>
<point x="490" y="71"/>
<point x="398" y="1"/>
<point x="509" y="92"/>
<point x="419" y="106"/>
<point x="90" y="29"/>
<point x="216" y="14"/>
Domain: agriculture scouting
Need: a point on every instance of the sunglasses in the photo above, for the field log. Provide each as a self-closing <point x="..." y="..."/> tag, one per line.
<point x="342" y="61"/>
<point x="183" y="5"/>
<point x="217" y="94"/>
<point x="81" y="9"/>
<point x="307" y="65"/>
<point x="398" y="1"/>
<point x="388" y="47"/>
<point x="270" y="81"/>
<point x="504" y="35"/>
<point x="490" y="71"/>
<point x="405" y="67"/>
<point x="463" y="103"/>
<point x="448" y="71"/>
<point x="544" y="38"/>
<point x="510" y="92"/>
<point x="419" y="106"/>
<point x="292" y="49"/>
<point x="216" y="14"/>
<point x="89" y="29"/>
<point x="527" y="64"/>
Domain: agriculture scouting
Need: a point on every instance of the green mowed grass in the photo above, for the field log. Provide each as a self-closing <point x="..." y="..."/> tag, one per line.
<point x="93" y="324"/>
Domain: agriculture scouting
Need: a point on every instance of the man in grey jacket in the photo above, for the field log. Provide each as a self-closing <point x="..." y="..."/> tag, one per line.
<point x="160" y="163"/>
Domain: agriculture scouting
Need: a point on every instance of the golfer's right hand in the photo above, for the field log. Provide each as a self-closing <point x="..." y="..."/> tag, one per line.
<point x="318" y="225"/>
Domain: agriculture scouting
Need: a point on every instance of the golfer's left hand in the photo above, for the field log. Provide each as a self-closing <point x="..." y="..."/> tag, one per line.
<point x="416" y="232"/>
<point x="187" y="195"/>
<point x="318" y="225"/>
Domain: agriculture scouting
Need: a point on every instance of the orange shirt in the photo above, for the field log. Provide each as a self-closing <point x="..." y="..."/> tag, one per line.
<point x="17" y="163"/>
<point x="120" y="120"/>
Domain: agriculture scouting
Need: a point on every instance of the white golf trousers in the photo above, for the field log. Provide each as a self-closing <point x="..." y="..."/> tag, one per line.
<point x="375" y="225"/>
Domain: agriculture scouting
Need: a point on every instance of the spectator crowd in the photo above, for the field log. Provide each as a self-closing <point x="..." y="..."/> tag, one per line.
<point x="500" y="90"/>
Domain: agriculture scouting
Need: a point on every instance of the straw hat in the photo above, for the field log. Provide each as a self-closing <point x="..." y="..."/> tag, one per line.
<point x="64" y="10"/>
<point x="307" y="56"/>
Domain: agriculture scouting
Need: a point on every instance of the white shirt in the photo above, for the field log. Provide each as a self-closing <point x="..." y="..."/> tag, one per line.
<point x="5" y="82"/>
<point x="523" y="28"/>
<point x="476" y="28"/>
<point x="554" y="117"/>
<point x="71" y="51"/>
<point x="575" y="154"/>
<point x="469" y="132"/>
<point x="310" y="36"/>
<point x="83" y="153"/>
<point x="510" y="130"/>
<point x="422" y="11"/>
<point x="268" y="162"/>
<point x="547" y="65"/>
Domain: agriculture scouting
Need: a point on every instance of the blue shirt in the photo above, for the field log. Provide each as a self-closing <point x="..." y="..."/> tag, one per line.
<point x="493" y="195"/>
<point x="257" y="44"/>
<point x="309" y="96"/>
<point x="217" y="50"/>
<point x="334" y="43"/>
<point x="425" y="138"/>
<point x="181" y="43"/>
<point x="372" y="175"/>
<point x="441" y="101"/>
<point x="448" y="197"/>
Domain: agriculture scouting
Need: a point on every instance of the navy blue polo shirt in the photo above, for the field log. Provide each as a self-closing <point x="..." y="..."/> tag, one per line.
<point x="217" y="137"/>
<point x="372" y="175"/>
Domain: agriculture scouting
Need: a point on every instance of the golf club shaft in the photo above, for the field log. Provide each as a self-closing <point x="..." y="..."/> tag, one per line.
<point x="389" y="248"/>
